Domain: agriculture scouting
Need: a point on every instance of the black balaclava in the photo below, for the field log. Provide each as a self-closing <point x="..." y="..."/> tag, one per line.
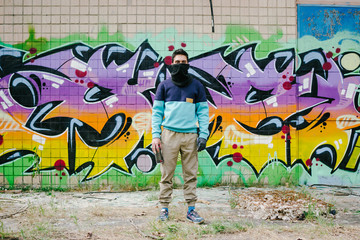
<point x="179" y="74"/>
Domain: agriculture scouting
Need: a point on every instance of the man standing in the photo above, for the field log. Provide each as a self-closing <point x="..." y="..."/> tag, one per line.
<point x="180" y="106"/>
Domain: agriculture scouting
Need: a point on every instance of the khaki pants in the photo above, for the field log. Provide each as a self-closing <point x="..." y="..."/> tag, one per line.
<point x="172" y="143"/>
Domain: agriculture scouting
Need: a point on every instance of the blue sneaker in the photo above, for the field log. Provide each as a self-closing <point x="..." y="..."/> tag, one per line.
<point x="194" y="217"/>
<point x="164" y="215"/>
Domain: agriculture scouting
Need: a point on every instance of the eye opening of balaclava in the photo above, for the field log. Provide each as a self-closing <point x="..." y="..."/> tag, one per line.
<point x="179" y="74"/>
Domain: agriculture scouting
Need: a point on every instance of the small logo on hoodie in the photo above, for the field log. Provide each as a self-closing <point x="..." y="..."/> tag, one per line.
<point x="189" y="100"/>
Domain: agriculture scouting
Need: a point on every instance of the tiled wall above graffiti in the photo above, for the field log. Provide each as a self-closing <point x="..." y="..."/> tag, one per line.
<point x="76" y="104"/>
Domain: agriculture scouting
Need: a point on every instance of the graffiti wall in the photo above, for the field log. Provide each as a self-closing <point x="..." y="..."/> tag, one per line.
<point x="334" y="143"/>
<point x="77" y="112"/>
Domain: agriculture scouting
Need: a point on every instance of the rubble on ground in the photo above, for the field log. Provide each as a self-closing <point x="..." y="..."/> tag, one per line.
<point x="286" y="205"/>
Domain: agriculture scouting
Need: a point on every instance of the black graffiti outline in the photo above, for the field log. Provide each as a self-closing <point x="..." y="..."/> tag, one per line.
<point x="56" y="126"/>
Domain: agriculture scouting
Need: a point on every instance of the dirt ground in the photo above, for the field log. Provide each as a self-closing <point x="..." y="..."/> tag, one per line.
<point x="230" y="213"/>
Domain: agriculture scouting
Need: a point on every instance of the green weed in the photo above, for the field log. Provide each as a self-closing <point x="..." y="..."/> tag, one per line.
<point x="3" y="234"/>
<point x="152" y="197"/>
<point x="41" y="230"/>
<point x="227" y="227"/>
<point x="310" y="214"/>
<point x="42" y="210"/>
<point x="180" y="230"/>
<point x="233" y="199"/>
<point x="75" y="219"/>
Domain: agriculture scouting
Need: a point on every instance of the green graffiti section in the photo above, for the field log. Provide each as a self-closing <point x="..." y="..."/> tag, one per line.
<point x="238" y="35"/>
<point x="35" y="44"/>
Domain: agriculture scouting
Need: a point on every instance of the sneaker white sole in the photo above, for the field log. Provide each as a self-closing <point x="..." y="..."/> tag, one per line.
<point x="196" y="222"/>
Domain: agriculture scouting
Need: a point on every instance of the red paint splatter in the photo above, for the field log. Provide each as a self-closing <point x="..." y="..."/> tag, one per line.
<point x="183" y="44"/>
<point x="337" y="50"/>
<point x="229" y="163"/>
<point x="63" y="173"/>
<point x="90" y="84"/>
<point x="76" y="80"/>
<point x="282" y="137"/>
<point x="171" y="48"/>
<point x="32" y="50"/>
<point x="56" y="174"/>
<point x="327" y="66"/>
<point x="32" y="60"/>
<point x="336" y="59"/>
<point x="288" y="137"/>
<point x="156" y="64"/>
<point x="168" y="60"/>
<point x="317" y="164"/>
<point x="81" y="81"/>
<point x="358" y="109"/>
<point x="291" y="78"/>
<point x="285" y="129"/>
<point x="27" y="56"/>
<point x="284" y="76"/>
<point x="309" y="162"/>
<point x="234" y="146"/>
<point x="329" y="54"/>
<point x="241" y="147"/>
<point x="1" y="139"/>
<point x="60" y="178"/>
<point x="287" y="85"/>
<point x="237" y="157"/>
<point x="80" y="74"/>
<point x="59" y="165"/>
<point x="317" y="159"/>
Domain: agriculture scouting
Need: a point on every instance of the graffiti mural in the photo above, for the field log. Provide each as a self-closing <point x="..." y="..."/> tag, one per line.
<point x="89" y="108"/>
<point x="81" y="112"/>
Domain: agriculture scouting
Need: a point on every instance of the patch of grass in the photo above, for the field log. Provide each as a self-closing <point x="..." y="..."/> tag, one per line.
<point x="48" y="189"/>
<point x="40" y="230"/>
<point x="319" y="214"/>
<point x="171" y="230"/>
<point x="42" y="211"/>
<point x="311" y="214"/>
<point x="152" y="197"/>
<point x="3" y="234"/>
<point x="227" y="227"/>
<point x="75" y="219"/>
<point x="233" y="199"/>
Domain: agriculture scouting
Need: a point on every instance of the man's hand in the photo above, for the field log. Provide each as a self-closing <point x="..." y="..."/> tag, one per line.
<point x="201" y="144"/>
<point x="156" y="145"/>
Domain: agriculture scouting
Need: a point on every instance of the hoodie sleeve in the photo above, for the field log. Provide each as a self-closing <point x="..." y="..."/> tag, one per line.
<point x="158" y="112"/>
<point x="202" y="112"/>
